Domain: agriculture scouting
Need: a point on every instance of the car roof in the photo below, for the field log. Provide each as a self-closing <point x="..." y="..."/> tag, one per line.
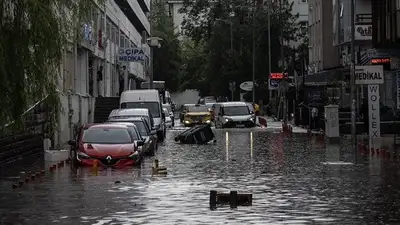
<point x="128" y="124"/>
<point x="87" y="125"/>
<point x="127" y="119"/>
<point x="110" y="126"/>
<point x="233" y="104"/>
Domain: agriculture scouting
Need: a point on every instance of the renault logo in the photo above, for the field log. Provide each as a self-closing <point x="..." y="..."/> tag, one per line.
<point x="109" y="158"/>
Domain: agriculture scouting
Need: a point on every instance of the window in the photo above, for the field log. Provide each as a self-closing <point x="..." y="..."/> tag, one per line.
<point x="122" y="41"/>
<point x="102" y="22"/>
<point x="127" y="44"/>
<point x="107" y="136"/>
<point x="114" y="34"/>
<point x="236" y="110"/>
<point x="108" y="31"/>
<point x="303" y="1"/>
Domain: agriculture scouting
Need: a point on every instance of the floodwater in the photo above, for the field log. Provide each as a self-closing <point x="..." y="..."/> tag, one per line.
<point x="294" y="180"/>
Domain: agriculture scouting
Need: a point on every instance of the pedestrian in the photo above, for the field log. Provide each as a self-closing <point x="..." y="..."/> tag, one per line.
<point x="256" y="109"/>
<point x="314" y="117"/>
<point x="100" y="82"/>
<point x="365" y="116"/>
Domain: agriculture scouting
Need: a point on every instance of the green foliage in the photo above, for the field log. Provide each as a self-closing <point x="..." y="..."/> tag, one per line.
<point x="207" y="24"/>
<point x="167" y="59"/>
<point x="33" y="36"/>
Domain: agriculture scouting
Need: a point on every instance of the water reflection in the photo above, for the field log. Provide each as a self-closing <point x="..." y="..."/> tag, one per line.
<point x="227" y="145"/>
<point x="251" y="145"/>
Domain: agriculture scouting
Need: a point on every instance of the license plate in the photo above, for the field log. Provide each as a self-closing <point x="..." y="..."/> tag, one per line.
<point x="240" y="125"/>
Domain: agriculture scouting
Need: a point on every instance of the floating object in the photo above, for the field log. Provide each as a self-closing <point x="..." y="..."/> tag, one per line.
<point x="201" y="134"/>
<point x="159" y="170"/>
<point x="233" y="198"/>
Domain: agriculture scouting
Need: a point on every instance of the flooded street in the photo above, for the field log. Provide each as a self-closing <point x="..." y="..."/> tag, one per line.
<point x="294" y="180"/>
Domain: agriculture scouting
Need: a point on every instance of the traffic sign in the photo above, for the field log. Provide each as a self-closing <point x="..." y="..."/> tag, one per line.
<point x="246" y="86"/>
<point x="273" y="84"/>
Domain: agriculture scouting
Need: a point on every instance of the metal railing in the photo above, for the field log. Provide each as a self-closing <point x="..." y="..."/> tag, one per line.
<point x="27" y="111"/>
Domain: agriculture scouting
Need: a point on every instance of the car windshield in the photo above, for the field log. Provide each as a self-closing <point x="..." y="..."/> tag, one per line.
<point x="153" y="107"/>
<point x="197" y="109"/>
<point x="141" y="127"/>
<point x="107" y="136"/>
<point x="133" y="132"/>
<point x="236" y="110"/>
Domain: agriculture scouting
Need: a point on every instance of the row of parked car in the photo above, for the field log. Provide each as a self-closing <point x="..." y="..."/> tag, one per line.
<point x="222" y="114"/>
<point x="130" y="133"/>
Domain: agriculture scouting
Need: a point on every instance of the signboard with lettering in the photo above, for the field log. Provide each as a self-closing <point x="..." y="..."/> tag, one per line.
<point x="273" y="84"/>
<point x="374" y="116"/>
<point x="279" y="76"/>
<point x="370" y="74"/>
<point x="131" y="54"/>
<point x="363" y="32"/>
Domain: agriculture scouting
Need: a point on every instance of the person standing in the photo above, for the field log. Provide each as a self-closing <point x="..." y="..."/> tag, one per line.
<point x="100" y="81"/>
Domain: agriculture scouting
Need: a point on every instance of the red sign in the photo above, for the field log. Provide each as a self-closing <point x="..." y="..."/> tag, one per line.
<point x="279" y="76"/>
<point x="380" y="61"/>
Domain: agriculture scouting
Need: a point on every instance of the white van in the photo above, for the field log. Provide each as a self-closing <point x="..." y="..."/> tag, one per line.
<point x="147" y="99"/>
<point x="233" y="114"/>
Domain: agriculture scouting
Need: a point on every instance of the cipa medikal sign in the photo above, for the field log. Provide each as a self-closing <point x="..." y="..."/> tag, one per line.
<point x="131" y="54"/>
<point x="370" y="74"/>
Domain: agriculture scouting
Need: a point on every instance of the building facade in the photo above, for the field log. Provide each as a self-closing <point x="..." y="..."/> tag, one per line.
<point x="91" y="68"/>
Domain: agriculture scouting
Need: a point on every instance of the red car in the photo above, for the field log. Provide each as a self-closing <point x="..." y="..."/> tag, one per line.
<point x="107" y="145"/>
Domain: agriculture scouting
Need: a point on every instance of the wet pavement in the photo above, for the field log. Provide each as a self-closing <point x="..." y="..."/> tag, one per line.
<point x="293" y="179"/>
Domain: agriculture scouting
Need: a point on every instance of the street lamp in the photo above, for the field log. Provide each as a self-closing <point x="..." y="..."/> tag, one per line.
<point x="153" y="42"/>
<point x="231" y="24"/>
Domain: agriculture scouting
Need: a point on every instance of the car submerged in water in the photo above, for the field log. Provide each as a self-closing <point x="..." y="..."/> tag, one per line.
<point x="108" y="145"/>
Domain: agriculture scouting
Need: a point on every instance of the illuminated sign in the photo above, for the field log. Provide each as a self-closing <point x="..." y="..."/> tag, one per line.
<point x="278" y="76"/>
<point x="380" y="61"/>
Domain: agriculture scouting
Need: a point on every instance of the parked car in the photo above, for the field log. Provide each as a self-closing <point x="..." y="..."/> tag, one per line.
<point x="197" y="114"/>
<point x="170" y="113"/>
<point x="184" y="108"/>
<point x="106" y="144"/>
<point x="168" y="120"/>
<point x="140" y="141"/>
<point x="148" y="99"/>
<point x="233" y="114"/>
<point x="122" y="113"/>
<point x="144" y="129"/>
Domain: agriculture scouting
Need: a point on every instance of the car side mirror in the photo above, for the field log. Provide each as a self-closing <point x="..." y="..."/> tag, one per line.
<point x="140" y="143"/>
<point x="153" y="132"/>
<point x="71" y="142"/>
<point x="251" y="112"/>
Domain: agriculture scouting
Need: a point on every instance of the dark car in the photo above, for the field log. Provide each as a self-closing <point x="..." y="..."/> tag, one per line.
<point x="106" y="145"/>
<point x="150" y="136"/>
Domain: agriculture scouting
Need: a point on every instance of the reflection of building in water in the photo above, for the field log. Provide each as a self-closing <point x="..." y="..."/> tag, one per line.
<point x="276" y="150"/>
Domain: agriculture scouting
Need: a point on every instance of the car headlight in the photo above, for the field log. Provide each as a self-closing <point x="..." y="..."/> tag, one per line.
<point x="134" y="155"/>
<point x="82" y="155"/>
<point x="227" y="119"/>
<point x="251" y="119"/>
<point x="187" y="121"/>
<point x="208" y="121"/>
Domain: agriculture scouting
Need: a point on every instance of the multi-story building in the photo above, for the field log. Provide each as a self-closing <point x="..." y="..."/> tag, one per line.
<point x="91" y="67"/>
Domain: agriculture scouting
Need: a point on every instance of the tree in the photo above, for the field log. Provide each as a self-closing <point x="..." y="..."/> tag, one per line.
<point x="206" y="22"/>
<point x="167" y="59"/>
<point x="33" y="36"/>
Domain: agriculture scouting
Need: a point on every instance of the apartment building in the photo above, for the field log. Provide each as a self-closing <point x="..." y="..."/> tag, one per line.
<point x="91" y="68"/>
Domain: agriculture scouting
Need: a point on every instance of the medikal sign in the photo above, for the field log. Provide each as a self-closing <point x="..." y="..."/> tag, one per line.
<point x="131" y="54"/>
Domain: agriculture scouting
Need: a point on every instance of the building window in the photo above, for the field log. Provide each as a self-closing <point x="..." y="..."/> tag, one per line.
<point x="108" y="29"/>
<point x="122" y="40"/>
<point x="102" y="22"/>
<point x="126" y="42"/>
<point x="114" y="34"/>
<point x="303" y="1"/>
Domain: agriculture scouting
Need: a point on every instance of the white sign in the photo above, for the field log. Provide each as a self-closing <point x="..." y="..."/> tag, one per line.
<point x="370" y="74"/>
<point x="131" y="54"/>
<point x="363" y="32"/>
<point x="398" y="88"/>
<point x="374" y="116"/>
<point x="246" y="86"/>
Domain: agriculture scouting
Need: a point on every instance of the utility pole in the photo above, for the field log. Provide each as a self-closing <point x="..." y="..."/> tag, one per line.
<point x="254" y="49"/>
<point x="352" y="79"/>
<point x="284" y="111"/>
<point x="269" y="45"/>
